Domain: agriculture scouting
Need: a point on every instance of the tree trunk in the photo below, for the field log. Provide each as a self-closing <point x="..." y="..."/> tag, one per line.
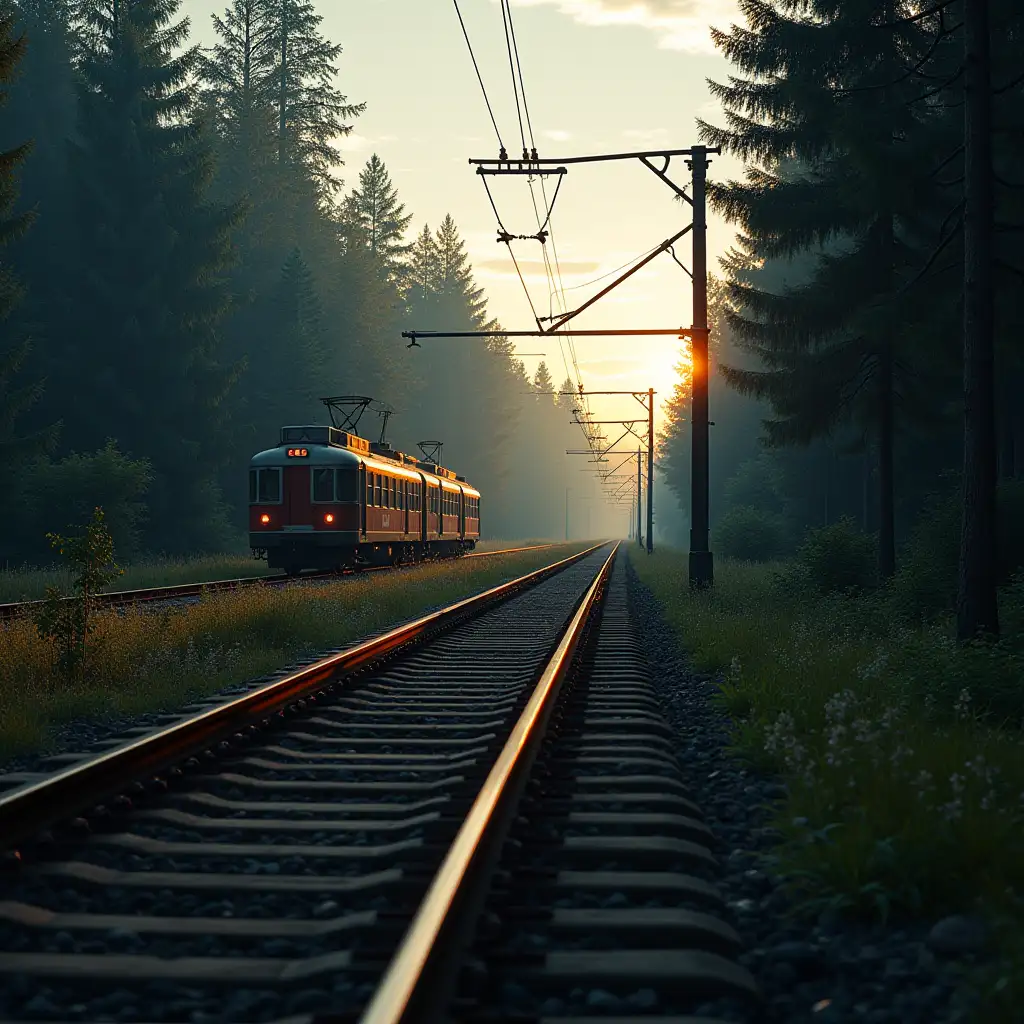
<point x="866" y="488"/>
<point x="828" y="484"/>
<point x="886" y="483"/>
<point x="283" y="97"/>
<point x="977" y="611"/>
<point x="1008" y="430"/>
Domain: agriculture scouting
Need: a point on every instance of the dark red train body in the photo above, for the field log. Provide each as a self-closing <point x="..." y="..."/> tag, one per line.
<point x="328" y="499"/>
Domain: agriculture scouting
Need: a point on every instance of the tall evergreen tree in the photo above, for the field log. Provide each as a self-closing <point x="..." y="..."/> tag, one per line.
<point x="826" y="116"/>
<point x="241" y="83"/>
<point x="423" y="263"/>
<point x="16" y="394"/>
<point x="145" y="267"/>
<point x="543" y="382"/>
<point x="374" y="207"/>
<point x="311" y="112"/>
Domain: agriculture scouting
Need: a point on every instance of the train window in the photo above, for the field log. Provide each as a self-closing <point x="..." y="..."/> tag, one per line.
<point x="369" y="488"/>
<point x="269" y="486"/>
<point x="323" y="484"/>
<point x="252" y="486"/>
<point x="345" y="485"/>
<point x="376" y="489"/>
<point x="392" y="500"/>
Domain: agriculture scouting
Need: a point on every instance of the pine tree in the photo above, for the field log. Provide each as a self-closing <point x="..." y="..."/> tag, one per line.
<point x="145" y="270"/>
<point x="311" y="112"/>
<point x="16" y="395"/>
<point x="826" y="116"/>
<point x="543" y="383"/>
<point x="241" y="86"/>
<point x="423" y="266"/>
<point x="455" y="276"/>
<point x="567" y="395"/>
<point x="374" y="208"/>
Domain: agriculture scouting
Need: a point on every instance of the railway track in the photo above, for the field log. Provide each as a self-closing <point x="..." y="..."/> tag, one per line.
<point x="476" y="817"/>
<point x="124" y="598"/>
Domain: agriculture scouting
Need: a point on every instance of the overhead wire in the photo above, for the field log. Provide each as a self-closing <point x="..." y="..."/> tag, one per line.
<point x="554" y="287"/>
<point x="479" y="77"/>
<point x="554" y="278"/>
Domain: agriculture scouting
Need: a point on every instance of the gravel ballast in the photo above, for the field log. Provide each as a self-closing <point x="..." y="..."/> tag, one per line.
<point x="827" y="971"/>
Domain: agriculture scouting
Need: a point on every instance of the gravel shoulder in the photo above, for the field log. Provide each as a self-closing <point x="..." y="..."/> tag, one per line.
<point x="826" y="970"/>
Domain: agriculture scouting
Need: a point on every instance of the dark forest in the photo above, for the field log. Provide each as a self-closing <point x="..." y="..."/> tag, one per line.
<point x="186" y="270"/>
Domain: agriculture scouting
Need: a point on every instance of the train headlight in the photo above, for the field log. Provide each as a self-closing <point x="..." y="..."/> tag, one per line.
<point x="329" y="518"/>
<point x="264" y="519"/>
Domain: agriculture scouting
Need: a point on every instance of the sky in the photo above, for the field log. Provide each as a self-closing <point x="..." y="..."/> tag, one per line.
<point x="601" y="76"/>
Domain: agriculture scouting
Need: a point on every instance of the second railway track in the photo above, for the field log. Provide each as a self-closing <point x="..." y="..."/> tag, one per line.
<point x="182" y="591"/>
<point x="487" y="826"/>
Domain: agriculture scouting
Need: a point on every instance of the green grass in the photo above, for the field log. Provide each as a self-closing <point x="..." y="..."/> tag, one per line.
<point x="903" y="753"/>
<point x="27" y="584"/>
<point x="150" y="659"/>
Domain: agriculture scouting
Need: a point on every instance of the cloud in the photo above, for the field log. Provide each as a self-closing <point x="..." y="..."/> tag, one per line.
<point x="535" y="268"/>
<point x="680" y="24"/>
<point x="353" y="143"/>
<point x="556" y="135"/>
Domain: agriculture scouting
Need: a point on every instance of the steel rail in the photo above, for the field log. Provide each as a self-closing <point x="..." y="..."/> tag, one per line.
<point x="30" y="809"/>
<point x="411" y="977"/>
<point x="14" y="609"/>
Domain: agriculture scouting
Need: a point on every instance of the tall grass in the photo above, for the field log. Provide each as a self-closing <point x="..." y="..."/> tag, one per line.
<point x="27" y="584"/>
<point x="149" y="659"/>
<point x="903" y="752"/>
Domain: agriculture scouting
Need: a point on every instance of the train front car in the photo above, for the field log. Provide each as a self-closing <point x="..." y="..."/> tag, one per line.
<point x="304" y="507"/>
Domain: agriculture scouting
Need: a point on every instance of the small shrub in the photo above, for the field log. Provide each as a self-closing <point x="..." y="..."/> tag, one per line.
<point x="59" y="494"/>
<point x="837" y="558"/>
<point x="926" y="583"/>
<point x="67" y="621"/>
<point x="751" y="535"/>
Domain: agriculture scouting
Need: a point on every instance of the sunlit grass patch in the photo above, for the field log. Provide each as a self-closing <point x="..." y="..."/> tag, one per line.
<point x="903" y="752"/>
<point x="31" y="584"/>
<point x="149" y="659"/>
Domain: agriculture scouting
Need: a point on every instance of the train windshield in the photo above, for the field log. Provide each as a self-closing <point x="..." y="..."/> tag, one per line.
<point x="323" y="484"/>
<point x="346" y="484"/>
<point x="264" y="486"/>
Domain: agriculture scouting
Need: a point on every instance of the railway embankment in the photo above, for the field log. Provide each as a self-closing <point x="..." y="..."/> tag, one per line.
<point x="147" y="663"/>
<point x="865" y="777"/>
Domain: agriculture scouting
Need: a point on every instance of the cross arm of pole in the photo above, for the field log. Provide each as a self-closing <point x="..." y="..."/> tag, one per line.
<point x="665" y="178"/>
<point x="679" y="332"/>
<point x="598" y="158"/>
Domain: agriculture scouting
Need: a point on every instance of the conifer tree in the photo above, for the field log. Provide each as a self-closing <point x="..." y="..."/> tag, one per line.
<point x="17" y="394"/>
<point x="423" y="266"/>
<point x="311" y="112"/>
<point x="824" y="115"/>
<point x="567" y="395"/>
<point x="454" y="274"/>
<point x="373" y="206"/>
<point x="241" y="85"/>
<point x="543" y="383"/>
<point x="146" y="265"/>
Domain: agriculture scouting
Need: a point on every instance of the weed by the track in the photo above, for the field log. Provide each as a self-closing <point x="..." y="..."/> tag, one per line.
<point x="30" y="584"/>
<point x="903" y="753"/>
<point x="151" y="659"/>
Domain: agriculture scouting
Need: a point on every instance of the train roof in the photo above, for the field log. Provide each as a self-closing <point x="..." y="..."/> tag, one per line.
<point x="331" y="446"/>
